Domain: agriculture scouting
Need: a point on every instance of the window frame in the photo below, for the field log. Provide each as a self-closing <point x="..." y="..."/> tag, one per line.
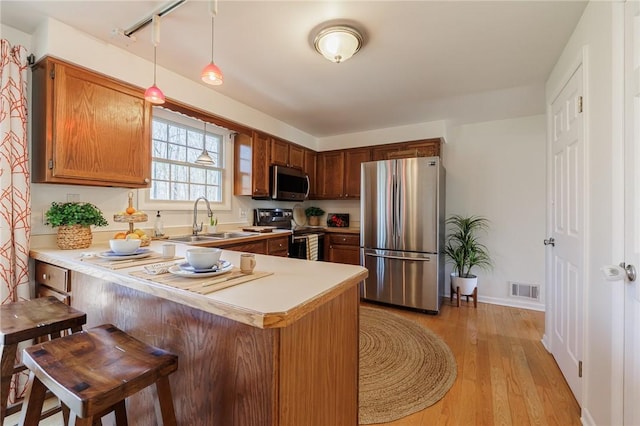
<point x="144" y="195"/>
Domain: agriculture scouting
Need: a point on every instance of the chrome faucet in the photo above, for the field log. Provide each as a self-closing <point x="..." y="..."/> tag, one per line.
<point x="197" y="228"/>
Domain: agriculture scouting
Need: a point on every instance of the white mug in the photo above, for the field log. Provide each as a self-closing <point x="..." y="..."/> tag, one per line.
<point x="168" y="251"/>
<point x="247" y="263"/>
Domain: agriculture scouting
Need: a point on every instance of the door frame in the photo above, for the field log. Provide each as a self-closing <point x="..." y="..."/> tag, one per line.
<point x="581" y="60"/>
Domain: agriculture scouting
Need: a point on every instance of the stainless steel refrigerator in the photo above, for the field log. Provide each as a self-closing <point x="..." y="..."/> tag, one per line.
<point x="402" y="232"/>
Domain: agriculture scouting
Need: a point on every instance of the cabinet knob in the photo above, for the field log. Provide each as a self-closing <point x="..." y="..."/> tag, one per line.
<point x="146" y="180"/>
<point x="44" y="277"/>
<point x="344" y="239"/>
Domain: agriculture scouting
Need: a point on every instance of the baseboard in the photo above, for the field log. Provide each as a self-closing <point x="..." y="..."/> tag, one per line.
<point x="513" y="303"/>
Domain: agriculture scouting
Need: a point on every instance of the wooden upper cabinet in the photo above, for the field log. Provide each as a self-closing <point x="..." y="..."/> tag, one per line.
<point x="419" y="148"/>
<point x="251" y="171"/>
<point x="353" y="158"/>
<point x="88" y="129"/>
<point x="279" y="152"/>
<point x="286" y="154"/>
<point x="330" y="174"/>
<point x="310" y="161"/>
<point x="296" y="156"/>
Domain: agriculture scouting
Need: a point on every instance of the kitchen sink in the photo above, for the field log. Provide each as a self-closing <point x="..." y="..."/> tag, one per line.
<point x="203" y="238"/>
<point x="225" y="235"/>
<point x="194" y="238"/>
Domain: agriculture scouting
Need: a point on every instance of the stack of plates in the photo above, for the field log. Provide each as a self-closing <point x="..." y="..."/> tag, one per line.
<point x="138" y="254"/>
<point x="186" y="270"/>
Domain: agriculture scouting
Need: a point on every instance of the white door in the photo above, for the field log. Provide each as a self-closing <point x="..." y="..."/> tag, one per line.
<point x="631" y="403"/>
<point x="567" y="226"/>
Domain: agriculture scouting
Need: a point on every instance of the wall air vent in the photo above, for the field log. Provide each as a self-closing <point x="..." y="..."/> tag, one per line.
<point x="527" y="291"/>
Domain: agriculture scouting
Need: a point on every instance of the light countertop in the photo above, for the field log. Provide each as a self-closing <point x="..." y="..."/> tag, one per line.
<point x="296" y="286"/>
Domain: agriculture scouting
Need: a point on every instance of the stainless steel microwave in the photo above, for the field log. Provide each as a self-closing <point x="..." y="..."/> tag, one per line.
<point x="288" y="184"/>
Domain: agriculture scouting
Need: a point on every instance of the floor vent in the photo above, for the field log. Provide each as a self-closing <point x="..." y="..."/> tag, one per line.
<point x="527" y="291"/>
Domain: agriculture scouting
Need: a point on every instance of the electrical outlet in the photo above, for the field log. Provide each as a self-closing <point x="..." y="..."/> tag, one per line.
<point x="73" y="198"/>
<point x="243" y="213"/>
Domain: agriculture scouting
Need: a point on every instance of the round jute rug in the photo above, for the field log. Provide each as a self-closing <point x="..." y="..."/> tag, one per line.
<point x="404" y="367"/>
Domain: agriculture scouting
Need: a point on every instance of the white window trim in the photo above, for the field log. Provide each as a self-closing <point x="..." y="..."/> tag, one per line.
<point x="144" y="198"/>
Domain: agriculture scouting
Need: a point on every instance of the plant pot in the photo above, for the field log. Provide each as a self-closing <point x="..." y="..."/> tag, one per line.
<point x="314" y="220"/>
<point x="466" y="284"/>
<point x="210" y="229"/>
<point x="74" y="237"/>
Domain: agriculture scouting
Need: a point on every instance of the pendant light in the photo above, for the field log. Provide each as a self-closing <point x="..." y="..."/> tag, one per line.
<point x="204" y="158"/>
<point x="153" y="94"/>
<point x="211" y="74"/>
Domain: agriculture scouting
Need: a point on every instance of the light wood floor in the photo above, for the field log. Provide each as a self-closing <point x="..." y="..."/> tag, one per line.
<point x="505" y="375"/>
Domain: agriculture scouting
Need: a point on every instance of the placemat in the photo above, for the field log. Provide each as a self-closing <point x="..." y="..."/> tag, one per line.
<point x="204" y="285"/>
<point x="121" y="264"/>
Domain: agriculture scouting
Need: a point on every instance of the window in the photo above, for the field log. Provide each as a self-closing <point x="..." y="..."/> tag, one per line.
<point x="176" y="180"/>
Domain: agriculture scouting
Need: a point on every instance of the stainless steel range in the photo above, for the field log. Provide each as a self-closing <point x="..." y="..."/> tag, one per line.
<point x="302" y="235"/>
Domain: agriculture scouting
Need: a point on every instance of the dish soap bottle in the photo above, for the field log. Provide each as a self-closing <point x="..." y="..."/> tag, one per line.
<point x="158" y="228"/>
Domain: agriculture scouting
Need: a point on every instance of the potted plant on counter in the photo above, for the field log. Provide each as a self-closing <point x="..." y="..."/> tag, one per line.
<point x="74" y="220"/>
<point x="314" y="214"/>
<point x="465" y="252"/>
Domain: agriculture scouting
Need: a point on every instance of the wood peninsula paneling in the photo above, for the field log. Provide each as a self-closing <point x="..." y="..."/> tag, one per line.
<point x="230" y="373"/>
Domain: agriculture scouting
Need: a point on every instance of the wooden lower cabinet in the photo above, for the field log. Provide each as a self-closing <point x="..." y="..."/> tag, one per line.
<point x="342" y="248"/>
<point x="230" y="373"/>
<point x="276" y="246"/>
<point x="53" y="281"/>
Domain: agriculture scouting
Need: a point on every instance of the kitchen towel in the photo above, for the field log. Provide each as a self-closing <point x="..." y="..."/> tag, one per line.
<point x="312" y="247"/>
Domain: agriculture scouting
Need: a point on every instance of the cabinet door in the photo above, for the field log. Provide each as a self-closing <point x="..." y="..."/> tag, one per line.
<point x="91" y="129"/>
<point x="260" y="166"/>
<point x="382" y="152"/>
<point x="258" y="247"/>
<point x="279" y="152"/>
<point x="278" y="246"/>
<point x="353" y="158"/>
<point x="310" y="158"/>
<point x="330" y="174"/>
<point x="425" y="148"/>
<point x="343" y="248"/>
<point x="296" y="156"/>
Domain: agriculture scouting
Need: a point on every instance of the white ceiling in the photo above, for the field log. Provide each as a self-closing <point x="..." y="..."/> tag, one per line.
<point x="420" y="60"/>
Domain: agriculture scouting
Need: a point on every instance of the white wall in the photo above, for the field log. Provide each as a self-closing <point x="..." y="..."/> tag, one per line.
<point x="602" y="398"/>
<point x="497" y="169"/>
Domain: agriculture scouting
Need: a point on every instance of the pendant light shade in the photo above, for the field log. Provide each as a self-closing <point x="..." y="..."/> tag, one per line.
<point x="153" y="94"/>
<point x="338" y="43"/>
<point x="204" y="158"/>
<point x="211" y="74"/>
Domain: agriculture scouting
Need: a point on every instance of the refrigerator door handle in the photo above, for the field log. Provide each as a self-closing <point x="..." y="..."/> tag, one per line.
<point x="417" y="259"/>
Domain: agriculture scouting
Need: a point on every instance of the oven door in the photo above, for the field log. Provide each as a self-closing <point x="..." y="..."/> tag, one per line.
<point x="298" y="246"/>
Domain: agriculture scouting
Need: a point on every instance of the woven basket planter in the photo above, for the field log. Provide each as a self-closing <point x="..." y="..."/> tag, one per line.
<point x="74" y="237"/>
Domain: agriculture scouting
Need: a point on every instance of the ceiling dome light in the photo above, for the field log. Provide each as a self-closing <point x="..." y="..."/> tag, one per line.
<point x="338" y="43"/>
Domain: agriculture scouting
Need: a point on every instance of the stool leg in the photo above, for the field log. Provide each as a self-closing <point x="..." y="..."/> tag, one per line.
<point x="121" y="414"/>
<point x="7" y="362"/>
<point x="164" y="403"/>
<point x="33" y="401"/>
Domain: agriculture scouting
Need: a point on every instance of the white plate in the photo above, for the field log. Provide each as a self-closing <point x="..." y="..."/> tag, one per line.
<point x="221" y="265"/>
<point x="176" y="270"/>
<point x="138" y="254"/>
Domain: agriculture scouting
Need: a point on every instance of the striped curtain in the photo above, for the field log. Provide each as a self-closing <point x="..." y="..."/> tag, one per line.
<point x="15" y="191"/>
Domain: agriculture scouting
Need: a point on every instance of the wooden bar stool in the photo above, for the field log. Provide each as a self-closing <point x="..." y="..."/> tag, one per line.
<point x="24" y="321"/>
<point x="94" y="371"/>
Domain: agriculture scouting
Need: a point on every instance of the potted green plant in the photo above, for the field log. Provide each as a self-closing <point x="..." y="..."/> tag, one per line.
<point x="74" y="220"/>
<point x="465" y="252"/>
<point x="314" y="214"/>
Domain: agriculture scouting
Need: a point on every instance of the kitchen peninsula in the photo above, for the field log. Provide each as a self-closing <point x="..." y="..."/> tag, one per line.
<point x="278" y="350"/>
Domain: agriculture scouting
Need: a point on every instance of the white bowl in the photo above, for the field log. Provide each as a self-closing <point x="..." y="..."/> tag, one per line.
<point x="122" y="246"/>
<point x="203" y="258"/>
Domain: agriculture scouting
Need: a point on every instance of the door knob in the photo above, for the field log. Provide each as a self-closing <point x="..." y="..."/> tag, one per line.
<point x="550" y="242"/>
<point x="631" y="271"/>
